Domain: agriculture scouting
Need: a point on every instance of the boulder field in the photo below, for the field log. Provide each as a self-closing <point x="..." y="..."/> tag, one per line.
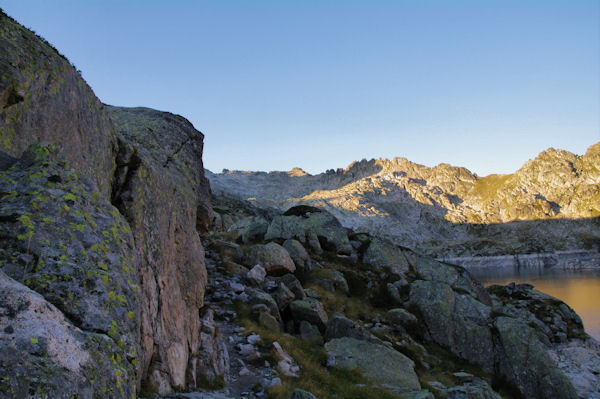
<point x="107" y="290"/>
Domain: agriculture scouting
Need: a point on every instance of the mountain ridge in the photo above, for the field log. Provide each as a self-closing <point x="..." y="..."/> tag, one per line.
<point x="420" y="206"/>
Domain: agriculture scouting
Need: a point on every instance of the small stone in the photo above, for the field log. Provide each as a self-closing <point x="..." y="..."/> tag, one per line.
<point x="300" y="394"/>
<point x="253" y="339"/>
<point x="256" y="275"/>
<point x="237" y="287"/>
<point x="246" y="349"/>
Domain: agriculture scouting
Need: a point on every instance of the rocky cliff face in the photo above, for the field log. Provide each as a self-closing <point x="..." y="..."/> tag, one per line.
<point x="160" y="189"/>
<point x="100" y="231"/>
<point x="446" y="210"/>
<point x="43" y="99"/>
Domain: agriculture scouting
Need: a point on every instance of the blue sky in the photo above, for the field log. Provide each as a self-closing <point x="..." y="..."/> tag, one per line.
<point x="317" y="84"/>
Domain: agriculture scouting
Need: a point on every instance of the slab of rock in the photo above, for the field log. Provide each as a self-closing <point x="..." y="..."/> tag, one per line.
<point x="523" y="360"/>
<point x="160" y="188"/>
<point x="272" y="256"/>
<point x="455" y="276"/>
<point x="385" y="256"/>
<point x="384" y="366"/>
<point x="340" y="326"/>
<point x="62" y="240"/>
<point x="44" y="99"/>
<point x="42" y="351"/>
<point x="456" y="321"/>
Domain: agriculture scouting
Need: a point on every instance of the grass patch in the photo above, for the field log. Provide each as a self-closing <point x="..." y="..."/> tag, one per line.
<point x="315" y="377"/>
<point x="488" y="186"/>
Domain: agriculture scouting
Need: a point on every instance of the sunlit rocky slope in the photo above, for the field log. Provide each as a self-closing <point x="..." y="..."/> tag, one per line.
<point x="551" y="203"/>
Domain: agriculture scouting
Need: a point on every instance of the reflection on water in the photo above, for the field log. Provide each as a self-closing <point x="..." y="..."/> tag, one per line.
<point x="580" y="290"/>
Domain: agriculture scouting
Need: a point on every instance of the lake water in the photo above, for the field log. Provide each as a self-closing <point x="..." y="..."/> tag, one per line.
<point x="580" y="290"/>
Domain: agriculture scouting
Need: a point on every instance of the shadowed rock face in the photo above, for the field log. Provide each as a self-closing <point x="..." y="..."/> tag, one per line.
<point x="160" y="187"/>
<point x="75" y="251"/>
<point x="141" y="296"/>
<point x="43" y="98"/>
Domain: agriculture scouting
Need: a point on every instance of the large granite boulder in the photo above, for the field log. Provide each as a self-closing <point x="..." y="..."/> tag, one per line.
<point x="297" y="253"/>
<point x="385" y="256"/>
<point x="448" y="305"/>
<point x="44" y="99"/>
<point x="526" y="363"/>
<point x="43" y="352"/>
<point x="455" y="320"/>
<point x="305" y="223"/>
<point x="61" y="239"/>
<point x="384" y="366"/>
<point x="453" y="275"/>
<point x="273" y="257"/>
<point x="311" y="310"/>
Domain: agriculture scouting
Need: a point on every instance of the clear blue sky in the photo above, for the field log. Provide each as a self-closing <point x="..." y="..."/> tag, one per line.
<point x="318" y="84"/>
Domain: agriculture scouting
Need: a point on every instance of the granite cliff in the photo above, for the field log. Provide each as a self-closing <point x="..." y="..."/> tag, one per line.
<point x="101" y="216"/>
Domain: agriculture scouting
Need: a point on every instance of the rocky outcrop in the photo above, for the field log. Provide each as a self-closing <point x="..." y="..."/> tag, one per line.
<point x="64" y="241"/>
<point x="312" y="227"/>
<point x="160" y="189"/>
<point x="133" y="274"/>
<point x="44" y="99"/>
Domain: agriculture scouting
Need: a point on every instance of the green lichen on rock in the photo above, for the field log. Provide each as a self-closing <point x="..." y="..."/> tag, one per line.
<point x="44" y="99"/>
<point x="55" y="243"/>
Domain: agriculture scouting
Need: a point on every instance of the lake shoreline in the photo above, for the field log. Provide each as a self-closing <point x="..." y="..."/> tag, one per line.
<point x="559" y="260"/>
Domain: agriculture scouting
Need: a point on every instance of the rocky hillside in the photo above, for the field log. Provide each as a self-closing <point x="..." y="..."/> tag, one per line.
<point x="551" y="203"/>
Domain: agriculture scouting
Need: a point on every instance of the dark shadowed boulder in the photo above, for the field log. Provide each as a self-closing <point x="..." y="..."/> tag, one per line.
<point x="298" y="253"/>
<point x="385" y="256"/>
<point x="310" y="310"/>
<point x="456" y="321"/>
<point x="385" y="366"/>
<point x="524" y="361"/>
